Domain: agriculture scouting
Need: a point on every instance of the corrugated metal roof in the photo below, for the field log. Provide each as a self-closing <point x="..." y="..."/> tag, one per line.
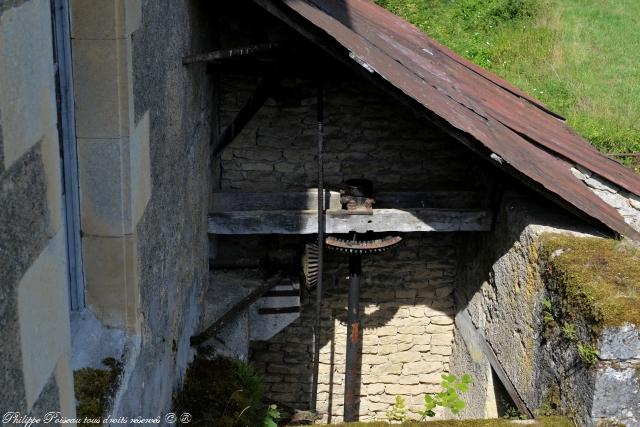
<point x="513" y="125"/>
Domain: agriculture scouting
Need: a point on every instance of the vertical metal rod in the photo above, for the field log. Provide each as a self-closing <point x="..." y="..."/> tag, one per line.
<point x="316" y="327"/>
<point x="353" y="340"/>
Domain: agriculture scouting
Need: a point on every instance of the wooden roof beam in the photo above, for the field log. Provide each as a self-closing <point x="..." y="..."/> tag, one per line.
<point x="230" y="53"/>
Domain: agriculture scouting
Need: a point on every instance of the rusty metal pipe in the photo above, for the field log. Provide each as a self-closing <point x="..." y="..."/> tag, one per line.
<point x="351" y="382"/>
<point x="318" y="308"/>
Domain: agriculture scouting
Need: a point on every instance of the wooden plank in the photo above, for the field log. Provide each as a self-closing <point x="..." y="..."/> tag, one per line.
<point x="236" y="309"/>
<point x="429" y="199"/>
<point x="301" y="200"/>
<point x="474" y="339"/>
<point x="237" y="201"/>
<point x="305" y="221"/>
<point x="229" y="53"/>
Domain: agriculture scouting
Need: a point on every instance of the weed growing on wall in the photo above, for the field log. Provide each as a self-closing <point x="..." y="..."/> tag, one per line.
<point x="398" y="411"/>
<point x="448" y="397"/>
<point x="588" y="353"/>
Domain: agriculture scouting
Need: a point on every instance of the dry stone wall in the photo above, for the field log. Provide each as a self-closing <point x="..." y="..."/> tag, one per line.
<point x="366" y="135"/>
<point x="500" y="288"/>
<point x="407" y="314"/>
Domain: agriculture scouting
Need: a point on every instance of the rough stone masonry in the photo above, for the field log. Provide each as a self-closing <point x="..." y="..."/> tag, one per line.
<point x="407" y="311"/>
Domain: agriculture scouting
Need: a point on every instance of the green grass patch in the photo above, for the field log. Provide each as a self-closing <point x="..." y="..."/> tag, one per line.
<point x="597" y="278"/>
<point x="498" y="422"/>
<point x="580" y="57"/>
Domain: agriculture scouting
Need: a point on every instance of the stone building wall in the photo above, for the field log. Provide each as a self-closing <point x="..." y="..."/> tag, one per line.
<point x="407" y="311"/>
<point x="500" y="288"/>
<point x="171" y="233"/>
<point x="366" y="135"/>
<point x="142" y="127"/>
<point x="35" y="370"/>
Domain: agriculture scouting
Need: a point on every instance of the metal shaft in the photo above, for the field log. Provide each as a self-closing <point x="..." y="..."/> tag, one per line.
<point x="351" y="382"/>
<point x="316" y="327"/>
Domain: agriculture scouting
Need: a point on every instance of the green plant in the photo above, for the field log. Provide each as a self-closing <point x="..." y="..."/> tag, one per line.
<point x="398" y="411"/>
<point x="547" y="318"/>
<point x="569" y="331"/>
<point x="448" y="397"/>
<point x="512" y="413"/>
<point x="223" y="392"/>
<point x="588" y="353"/>
<point x="272" y="416"/>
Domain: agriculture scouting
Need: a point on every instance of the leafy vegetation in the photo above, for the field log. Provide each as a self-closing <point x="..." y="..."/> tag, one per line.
<point x="580" y="57"/>
<point x="225" y="392"/>
<point x="448" y="397"/>
<point x="588" y="353"/>
<point x="398" y="411"/>
<point x="569" y="331"/>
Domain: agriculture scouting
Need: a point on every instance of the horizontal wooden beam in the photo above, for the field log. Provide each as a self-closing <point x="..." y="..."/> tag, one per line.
<point x="229" y="53"/>
<point x="308" y="200"/>
<point x="382" y="220"/>
<point x="295" y="200"/>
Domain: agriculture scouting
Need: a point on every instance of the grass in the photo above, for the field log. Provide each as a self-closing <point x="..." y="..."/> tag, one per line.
<point x="580" y="57"/>
<point x="598" y="277"/>
<point x="498" y="422"/>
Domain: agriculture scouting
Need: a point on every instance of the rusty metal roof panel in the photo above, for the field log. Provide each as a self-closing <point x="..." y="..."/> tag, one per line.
<point x="512" y="124"/>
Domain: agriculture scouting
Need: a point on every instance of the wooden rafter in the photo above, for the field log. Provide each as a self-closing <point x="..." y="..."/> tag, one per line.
<point x="265" y="89"/>
<point x="230" y="53"/>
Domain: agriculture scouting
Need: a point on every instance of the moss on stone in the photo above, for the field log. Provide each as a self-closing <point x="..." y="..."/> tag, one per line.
<point x="496" y="422"/>
<point x="599" y="279"/>
<point x="94" y="388"/>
